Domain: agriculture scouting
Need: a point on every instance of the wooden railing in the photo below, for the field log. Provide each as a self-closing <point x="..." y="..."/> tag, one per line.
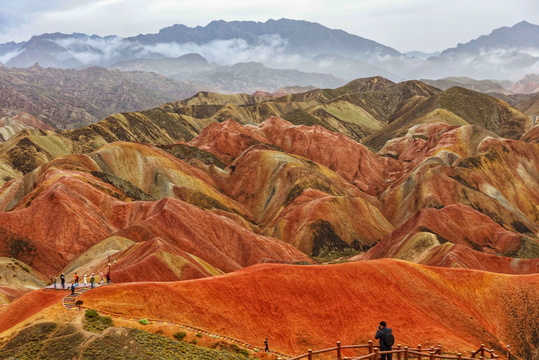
<point x="401" y="353"/>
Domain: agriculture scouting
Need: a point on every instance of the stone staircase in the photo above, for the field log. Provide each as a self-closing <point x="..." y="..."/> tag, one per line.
<point x="70" y="300"/>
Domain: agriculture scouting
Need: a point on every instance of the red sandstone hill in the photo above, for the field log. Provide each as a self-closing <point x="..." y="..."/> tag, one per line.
<point x="442" y="238"/>
<point x="312" y="188"/>
<point x="300" y="307"/>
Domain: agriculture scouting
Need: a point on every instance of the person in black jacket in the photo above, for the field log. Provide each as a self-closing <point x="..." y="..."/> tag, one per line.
<point x="385" y="335"/>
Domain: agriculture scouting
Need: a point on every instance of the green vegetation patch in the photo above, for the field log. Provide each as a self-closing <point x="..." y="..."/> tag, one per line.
<point x="96" y="323"/>
<point x="326" y="240"/>
<point x="44" y="341"/>
<point x="300" y="117"/>
<point x="32" y="334"/>
<point x="122" y="343"/>
<point x="127" y="187"/>
<point x="186" y="152"/>
<point x="221" y="345"/>
<point x="180" y="335"/>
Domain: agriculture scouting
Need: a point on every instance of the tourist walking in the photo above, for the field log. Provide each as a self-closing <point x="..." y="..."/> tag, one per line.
<point x="108" y="277"/>
<point x="92" y="281"/>
<point x="63" y="280"/>
<point x="76" y="278"/>
<point x="266" y="346"/>
<point x="387" y="340"/>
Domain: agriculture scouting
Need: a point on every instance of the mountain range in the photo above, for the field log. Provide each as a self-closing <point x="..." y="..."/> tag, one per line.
<point x="68" y="98"/>
<point x="506" y="53"/>
<point x="228" y="190"/>
<point x="239" y="78"/>
<point x="65" y="98"/>
<point x="270" y="208"/>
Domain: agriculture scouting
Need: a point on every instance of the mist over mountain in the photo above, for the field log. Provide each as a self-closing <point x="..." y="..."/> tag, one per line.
<point x="421" y="54"/>
<point x="185" y="64"/>
<point x="291" y="37"/>
<point x="243" y="77"/>
<point x="507" y="53"/>
<point x="484" y="86"/>
<point x="275" y="42"/>
<point x="521" y="36"/>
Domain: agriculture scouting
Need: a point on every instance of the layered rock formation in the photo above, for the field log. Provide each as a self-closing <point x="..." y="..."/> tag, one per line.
<point x="308" y="186"/>
<point x="216" y="183"/>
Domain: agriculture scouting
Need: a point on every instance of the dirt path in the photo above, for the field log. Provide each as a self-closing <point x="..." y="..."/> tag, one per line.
<point x="69" y="302"/>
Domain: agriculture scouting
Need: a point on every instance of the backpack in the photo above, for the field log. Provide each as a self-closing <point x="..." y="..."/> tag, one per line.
<point x="389" y="339"/>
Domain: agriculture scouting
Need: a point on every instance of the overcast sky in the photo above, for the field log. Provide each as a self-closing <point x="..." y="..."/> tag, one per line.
<point x="406" y="25"/>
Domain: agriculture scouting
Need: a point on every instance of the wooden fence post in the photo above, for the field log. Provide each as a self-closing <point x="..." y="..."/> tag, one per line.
<point x="370" y="347"/>
<point x="339" y="351"/>
<point x="459" y="355"/>
<point x="399" y="354"/>
<point x="431" y="355"/>
<point x="440" y="350"/>
<point x="508" y="352"/>
<point x="310" y="354"/>
<point x="376" y="357"/>
<point x="483" y="350"/>
<point x="419" y="357"/>
<point x="406" y="353"/>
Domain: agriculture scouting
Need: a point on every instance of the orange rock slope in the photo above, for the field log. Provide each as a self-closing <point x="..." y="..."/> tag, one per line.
<point x="300" y="307"/>
<point x="306" y="186"/>
<point x="27" y="306"/>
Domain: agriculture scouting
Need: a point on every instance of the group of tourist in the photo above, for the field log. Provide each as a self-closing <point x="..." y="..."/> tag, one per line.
<point x="76" y="280"/>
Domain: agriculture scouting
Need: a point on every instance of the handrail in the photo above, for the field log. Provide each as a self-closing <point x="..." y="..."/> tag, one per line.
<point x="421" y="353"/>
<point x="483" y="350"/>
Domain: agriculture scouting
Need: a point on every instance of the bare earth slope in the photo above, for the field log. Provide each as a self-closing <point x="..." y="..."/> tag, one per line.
<point x="300" y="307"/>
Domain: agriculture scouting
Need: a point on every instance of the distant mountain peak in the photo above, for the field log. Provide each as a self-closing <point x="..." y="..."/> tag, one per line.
<point x="36" y="66"/>
<point x="524" y="24"/>
<point x="194" y="57"/>
<point x="520" y="35"/>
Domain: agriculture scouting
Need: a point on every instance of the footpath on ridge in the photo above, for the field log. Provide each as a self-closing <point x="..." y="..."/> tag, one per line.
<point x="70" y="303"/>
